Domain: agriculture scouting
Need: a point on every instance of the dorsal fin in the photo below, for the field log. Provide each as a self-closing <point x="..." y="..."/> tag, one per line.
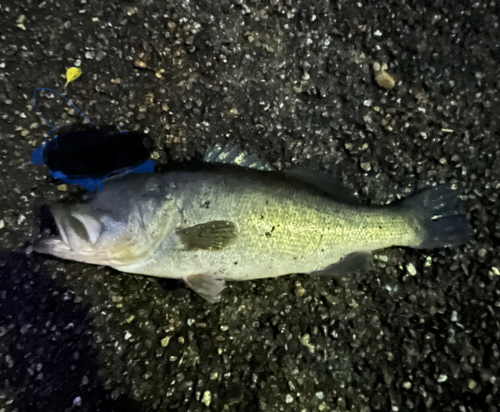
<point x="325" y="182"/>
<point x="235" y="156"/>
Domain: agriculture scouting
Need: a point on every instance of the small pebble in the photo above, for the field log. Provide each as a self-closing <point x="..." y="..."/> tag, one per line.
<point x="165" y="341"/>
<point x="385" y="80"/>
<point x="299" y="290"/>
<point x="9" y="361"/>
<point x="140" y="64"/>
<point x="288" y="399"/>
<point x="471" y="384"/>
<point x="305" y="341"/>
<point x="77" y="401"/>
<point x="407" y="385"/>
<point x="63" y="187"/>
<point x="2" y="224"/>
<point x="207" y="398"/>
<point x="70" y="47"/>
<point x="366" y="166"/>
<point x="442" y="378"/>
<point x="411" y="269"/>
<point x="100" y="55"/>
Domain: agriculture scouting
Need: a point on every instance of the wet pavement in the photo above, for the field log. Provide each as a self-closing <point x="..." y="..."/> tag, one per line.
<point x="292" y="82"/>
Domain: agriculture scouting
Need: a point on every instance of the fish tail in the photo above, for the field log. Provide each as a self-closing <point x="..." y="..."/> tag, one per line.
<point x="440" y="214"/>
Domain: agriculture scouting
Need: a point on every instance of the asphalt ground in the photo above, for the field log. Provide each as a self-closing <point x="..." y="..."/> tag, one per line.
<point x="293" y="82"/>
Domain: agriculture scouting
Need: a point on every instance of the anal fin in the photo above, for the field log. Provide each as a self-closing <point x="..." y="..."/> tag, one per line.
<point x="207" y="285"/>
<point x="348" y="264"/>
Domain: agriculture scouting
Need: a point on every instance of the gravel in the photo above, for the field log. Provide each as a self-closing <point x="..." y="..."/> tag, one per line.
<point x="294" y="82"/>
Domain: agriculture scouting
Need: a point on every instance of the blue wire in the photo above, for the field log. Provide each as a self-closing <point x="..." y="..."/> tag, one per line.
<point x="38" y="111"/>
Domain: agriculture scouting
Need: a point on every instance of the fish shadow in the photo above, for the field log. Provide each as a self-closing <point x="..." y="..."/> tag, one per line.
<point x="48" y="359"/>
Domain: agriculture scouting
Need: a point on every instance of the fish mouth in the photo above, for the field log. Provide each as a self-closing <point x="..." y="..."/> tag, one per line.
<point x="66" y="232"/>
<point x="52" y="237"/>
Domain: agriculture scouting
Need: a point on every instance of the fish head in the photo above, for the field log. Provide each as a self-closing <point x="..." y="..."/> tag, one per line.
<point x="86" y="236"/>
<point x="113" y="228"/>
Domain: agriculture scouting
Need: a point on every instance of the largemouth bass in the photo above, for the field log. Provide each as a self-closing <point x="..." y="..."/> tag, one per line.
<point x="218" y="222"/>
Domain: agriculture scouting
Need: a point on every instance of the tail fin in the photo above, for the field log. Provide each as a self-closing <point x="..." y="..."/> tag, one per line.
<point x="440" y="214"/>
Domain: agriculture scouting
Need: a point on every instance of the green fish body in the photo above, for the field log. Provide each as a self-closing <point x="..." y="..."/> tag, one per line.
<point x="215" y="222"/>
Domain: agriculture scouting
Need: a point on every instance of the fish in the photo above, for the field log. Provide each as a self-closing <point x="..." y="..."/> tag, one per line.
<point x="233" y="217"/>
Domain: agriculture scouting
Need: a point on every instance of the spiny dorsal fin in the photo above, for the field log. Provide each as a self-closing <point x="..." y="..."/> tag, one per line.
<point x="235" y="156"/>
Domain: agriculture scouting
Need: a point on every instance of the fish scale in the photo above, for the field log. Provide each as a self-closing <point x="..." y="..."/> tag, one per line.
<point x="311" y="230"/>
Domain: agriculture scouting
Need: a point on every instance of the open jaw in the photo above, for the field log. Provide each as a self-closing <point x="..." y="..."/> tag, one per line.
<point x="68" y="233"/>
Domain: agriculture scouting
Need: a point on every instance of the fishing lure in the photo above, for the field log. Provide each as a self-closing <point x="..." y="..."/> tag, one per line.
<point x="85" y="155"/>
<point x="72" y="74"/>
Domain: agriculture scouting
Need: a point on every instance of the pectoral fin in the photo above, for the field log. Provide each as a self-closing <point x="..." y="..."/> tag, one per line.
<point x="207" y="285"/>
<point x="214" y="235"/>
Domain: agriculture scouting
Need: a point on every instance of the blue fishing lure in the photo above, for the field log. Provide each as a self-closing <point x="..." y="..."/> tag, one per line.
<point x="85" y="155"/>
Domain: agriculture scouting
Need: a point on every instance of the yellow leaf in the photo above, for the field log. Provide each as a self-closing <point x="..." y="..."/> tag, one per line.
<point x="72" y="74"/>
